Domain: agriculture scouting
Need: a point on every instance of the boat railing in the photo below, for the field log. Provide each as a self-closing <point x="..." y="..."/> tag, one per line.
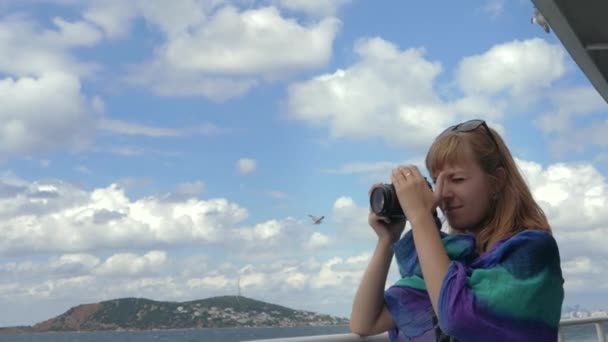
<point x="597" y="321"/>
<point x="350" y="337"/>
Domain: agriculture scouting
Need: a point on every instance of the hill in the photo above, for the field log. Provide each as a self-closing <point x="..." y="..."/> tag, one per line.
<point x="146" y="314"/>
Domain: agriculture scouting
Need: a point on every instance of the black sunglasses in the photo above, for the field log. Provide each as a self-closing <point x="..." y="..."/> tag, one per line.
<point x="469" y="126"/>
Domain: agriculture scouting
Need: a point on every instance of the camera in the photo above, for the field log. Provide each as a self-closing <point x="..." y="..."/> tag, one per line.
<point x="384" y="203"/>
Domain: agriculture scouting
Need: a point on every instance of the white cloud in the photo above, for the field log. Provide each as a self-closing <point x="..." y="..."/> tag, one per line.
<point x="53" y="216"/>
<point x="386" y="93"/>
<point x="67" y="120"/>
<point x="29" y="50"/>
<point x="246" y="165"/>
<point x="252" y="278"/>
<point x="318" y="240"/>
<point x="129" y="128"/>
<point x="113" y="17"/>
<point x="520" y="68"/>
<point x="130" y="264"/>
<point x="335" y="273"/>
<point x="351" y="220"/>
<point x="75" y="264"/>
<point x="219" y="282"/>
<point x="564" y="126"/>
<point x="221" y="51"/>
<point x="41" y="217"/>
<point x="577" y="266"/>
<point x="574" y="196"/>
<point x="42" y="77"/>
<point x="390" y="91"/>
<point x="234" y="42"/>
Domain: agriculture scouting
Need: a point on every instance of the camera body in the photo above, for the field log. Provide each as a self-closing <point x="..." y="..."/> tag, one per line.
<point x="384" y="203"/>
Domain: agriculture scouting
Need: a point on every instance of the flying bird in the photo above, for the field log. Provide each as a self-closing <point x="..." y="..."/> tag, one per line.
<point x="316" y="220"/>
<point x="539" y="19"/>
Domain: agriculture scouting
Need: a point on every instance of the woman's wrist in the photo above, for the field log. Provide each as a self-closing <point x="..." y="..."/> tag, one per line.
<point x="386" y="241"/>
<point x="421" y="220"/>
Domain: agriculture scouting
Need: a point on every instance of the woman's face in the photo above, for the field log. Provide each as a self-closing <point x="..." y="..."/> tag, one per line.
<point x="465" y="198"/>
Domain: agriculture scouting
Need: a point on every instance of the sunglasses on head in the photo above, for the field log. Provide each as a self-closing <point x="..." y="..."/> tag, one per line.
<point x="469" y="126"/>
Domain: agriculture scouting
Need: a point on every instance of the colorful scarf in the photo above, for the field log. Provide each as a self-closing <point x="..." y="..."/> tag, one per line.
<point x="514" y="292"/>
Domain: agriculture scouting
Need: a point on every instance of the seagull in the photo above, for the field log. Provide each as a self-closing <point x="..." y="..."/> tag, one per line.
<point x="316" y="220"/>
<point x="539" y="19"/>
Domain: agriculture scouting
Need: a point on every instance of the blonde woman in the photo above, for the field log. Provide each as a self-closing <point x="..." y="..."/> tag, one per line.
<point x="495" y="276"/>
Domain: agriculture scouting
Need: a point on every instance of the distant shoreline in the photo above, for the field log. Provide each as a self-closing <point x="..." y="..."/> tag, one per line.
<point x="33" y="332"/>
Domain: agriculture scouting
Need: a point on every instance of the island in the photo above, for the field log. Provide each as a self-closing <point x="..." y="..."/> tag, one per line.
<point x="147" y="314"/>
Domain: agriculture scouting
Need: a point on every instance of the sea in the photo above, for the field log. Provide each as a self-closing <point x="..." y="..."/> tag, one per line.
<point x="583" y="333"/>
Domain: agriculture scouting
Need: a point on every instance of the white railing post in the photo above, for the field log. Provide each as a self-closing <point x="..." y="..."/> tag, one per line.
<point x="600" y="332"/>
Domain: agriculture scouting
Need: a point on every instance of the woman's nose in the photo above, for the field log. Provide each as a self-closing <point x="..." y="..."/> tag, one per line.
<point x="447" y="192"/>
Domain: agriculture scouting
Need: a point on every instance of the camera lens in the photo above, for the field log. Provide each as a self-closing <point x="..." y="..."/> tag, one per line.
<point x="377" y="200"/>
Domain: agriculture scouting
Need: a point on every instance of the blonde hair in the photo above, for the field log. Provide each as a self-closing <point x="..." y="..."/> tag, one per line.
<point x="514" y="208"/>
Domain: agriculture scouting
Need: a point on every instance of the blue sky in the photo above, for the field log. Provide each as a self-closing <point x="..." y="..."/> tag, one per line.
<point x="161" y="151"/>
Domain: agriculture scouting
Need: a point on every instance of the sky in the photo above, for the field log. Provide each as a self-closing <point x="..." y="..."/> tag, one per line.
<point x="165" y="150"/>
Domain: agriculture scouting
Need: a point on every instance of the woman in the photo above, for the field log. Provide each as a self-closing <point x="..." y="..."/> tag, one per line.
<point x="495" y="277"/>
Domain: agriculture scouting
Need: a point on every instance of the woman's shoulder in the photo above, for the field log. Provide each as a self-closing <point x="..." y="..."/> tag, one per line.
<point x="534" y="249"/>
<point x="530" y="239"/>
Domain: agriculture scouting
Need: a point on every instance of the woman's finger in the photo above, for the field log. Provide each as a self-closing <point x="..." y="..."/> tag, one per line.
<point x="439" y="186"/>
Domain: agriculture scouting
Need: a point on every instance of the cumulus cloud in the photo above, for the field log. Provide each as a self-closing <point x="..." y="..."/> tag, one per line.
<point x="351" y="220"/>
<point x="318" y="240"/>
<point x="520" y="68"/>
<point x="130" y="264"/>
<point x="576" y="120"/>
<point x="41" y="101"/>
<point x="391" y="94"/>
<point x="573" y="195"/>
<point x="218" y="50"/>
<point x="43" y="113"/>
<point x="388" y="95"/>
<point x="56" y="216"/>
<point x="30" y="50"/>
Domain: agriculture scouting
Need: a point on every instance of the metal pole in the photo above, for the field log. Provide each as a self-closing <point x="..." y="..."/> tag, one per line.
<point x="600" y="332"/>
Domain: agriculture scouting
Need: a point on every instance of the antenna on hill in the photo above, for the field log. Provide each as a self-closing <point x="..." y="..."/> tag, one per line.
<point x="238" y="285"/>
<point x="238" y="293"/>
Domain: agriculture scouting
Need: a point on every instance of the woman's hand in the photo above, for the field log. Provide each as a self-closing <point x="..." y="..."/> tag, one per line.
<point x="413" y="192"/>
<point x="384" y="228"/>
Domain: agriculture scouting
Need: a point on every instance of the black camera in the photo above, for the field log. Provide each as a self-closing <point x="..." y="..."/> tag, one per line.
<point x="384" y="203"/>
